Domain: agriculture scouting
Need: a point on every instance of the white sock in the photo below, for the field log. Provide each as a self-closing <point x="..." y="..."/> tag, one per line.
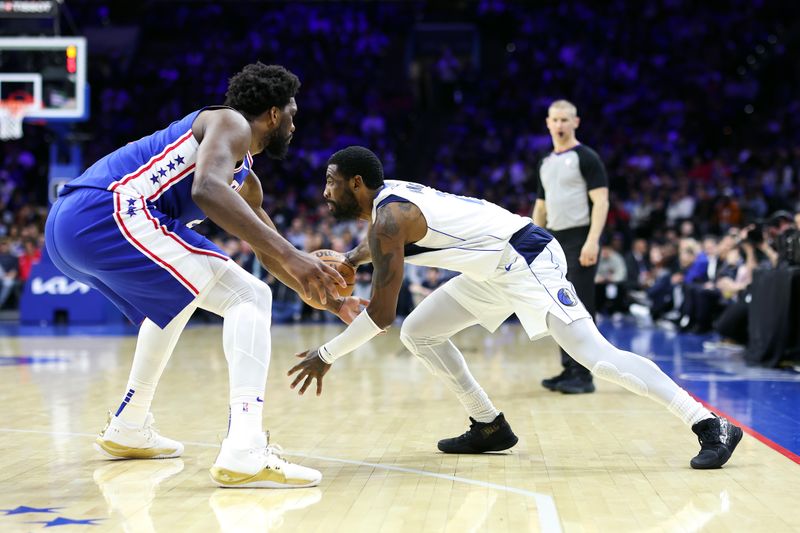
<point x="478" y="405"/>
<point x="688" y="409"/>
<point x="154" y="347"/>
<point x="134" y="407"/>
<point x="246" y="422"/>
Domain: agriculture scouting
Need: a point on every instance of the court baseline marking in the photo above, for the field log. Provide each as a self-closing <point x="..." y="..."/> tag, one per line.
<point x="548" y="514"/>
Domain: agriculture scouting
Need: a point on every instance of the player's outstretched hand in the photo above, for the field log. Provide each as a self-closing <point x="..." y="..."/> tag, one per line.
<point x="315" y="277"/>
<point x="309" y="369"/>
<point x="350" y="308"/>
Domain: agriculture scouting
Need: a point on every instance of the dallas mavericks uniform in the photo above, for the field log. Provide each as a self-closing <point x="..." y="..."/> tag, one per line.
<point x="508" y="264"/>
<point x="122" y="227"/>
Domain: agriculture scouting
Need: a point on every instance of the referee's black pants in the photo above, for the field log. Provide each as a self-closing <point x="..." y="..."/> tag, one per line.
<point x="572" y="240"/>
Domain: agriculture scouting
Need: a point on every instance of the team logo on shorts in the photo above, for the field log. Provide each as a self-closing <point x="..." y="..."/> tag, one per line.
<point x="567" y="298"/>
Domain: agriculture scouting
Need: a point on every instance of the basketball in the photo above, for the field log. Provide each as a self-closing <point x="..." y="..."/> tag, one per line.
<point x="337" y="261"/>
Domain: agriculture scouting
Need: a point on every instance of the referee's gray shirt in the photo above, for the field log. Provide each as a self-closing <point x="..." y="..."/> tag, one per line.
<point x="564" y="181"/>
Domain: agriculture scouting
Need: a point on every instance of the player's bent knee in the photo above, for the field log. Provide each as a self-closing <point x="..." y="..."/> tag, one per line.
<point x="263" y="295"/>
<point x="414" y="339"/>
<point x="407" y="340"/>
<point x="253" y="290"/>
<point x="412" y="342"/>
<point x="412" y="346"/>
<point x="609" y="372"/>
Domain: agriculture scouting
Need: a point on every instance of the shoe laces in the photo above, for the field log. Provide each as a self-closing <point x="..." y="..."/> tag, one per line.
<point x="274" y="454"/>
<point x="274" y="450"/>
<point x="149" y="428"/>
<point x="471" y="432"/>
<point x="108" y="423"/>
<point x="710" y="436"/>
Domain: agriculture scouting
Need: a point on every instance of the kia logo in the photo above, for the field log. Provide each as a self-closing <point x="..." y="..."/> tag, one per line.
<point x="57" y="286"/>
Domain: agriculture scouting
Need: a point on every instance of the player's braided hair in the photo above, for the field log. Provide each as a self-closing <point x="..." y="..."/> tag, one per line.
<point x="259" y="87"/>
<point x="359" y="160"/>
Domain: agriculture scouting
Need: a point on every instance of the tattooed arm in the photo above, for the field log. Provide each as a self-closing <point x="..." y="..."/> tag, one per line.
<point x="360" y="254"/>
<point x="395" y="225"/>
<point x="387" y="239"/>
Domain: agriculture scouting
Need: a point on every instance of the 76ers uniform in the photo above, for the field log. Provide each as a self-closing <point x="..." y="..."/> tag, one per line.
<point x="122" y="227"/>
<point x="508" y="264"/>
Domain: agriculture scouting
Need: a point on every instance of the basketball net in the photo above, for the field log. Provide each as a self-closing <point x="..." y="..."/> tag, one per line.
<point x="12" y="113"/>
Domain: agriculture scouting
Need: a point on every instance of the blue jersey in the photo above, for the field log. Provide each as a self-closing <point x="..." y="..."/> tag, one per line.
<point x="132" y="210"/>
<point x="158" y="168"/>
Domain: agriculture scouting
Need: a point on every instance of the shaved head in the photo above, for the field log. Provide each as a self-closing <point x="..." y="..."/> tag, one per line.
<point x="564" y="105"/>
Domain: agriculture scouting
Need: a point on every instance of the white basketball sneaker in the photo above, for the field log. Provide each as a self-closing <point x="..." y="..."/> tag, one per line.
<point x="123" y="441"/>
<point x="259" y="466"/>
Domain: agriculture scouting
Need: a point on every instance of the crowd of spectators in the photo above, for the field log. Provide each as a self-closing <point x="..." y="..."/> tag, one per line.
<point x="692" y="107"/>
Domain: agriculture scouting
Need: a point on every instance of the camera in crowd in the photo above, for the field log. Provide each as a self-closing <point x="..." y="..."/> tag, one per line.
<point x="755" y="235"/>
<point x="786" y="238"/>
<point x="787" y="244"/>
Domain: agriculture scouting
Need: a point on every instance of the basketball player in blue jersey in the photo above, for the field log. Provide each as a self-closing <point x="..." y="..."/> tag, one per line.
<point x="122" y="227"/>
<point x="508" y="265"/>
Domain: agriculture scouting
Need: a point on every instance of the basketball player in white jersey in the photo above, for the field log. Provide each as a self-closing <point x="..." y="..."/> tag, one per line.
<point x="508" y="265"/>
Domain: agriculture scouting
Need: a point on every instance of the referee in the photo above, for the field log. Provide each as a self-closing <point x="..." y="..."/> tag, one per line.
<point x="572" y="203"/>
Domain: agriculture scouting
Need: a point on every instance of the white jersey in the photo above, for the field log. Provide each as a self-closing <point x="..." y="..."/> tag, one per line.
<point x="465" y="234"/>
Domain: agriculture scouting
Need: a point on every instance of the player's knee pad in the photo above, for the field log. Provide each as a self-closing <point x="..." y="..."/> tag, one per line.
<point x="414" y="339"/>
<point x="263" y="295"/>
<point x="610" y="372"/>
<point x="412" y="346"/>
<point x="408" y="339"/>
<point x="252" y="290"/>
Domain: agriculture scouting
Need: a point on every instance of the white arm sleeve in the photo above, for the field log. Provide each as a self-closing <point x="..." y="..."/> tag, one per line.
<point x="359" y="332"/>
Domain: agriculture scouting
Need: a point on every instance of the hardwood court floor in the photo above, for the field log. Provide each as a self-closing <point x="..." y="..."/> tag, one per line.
<point x="609" y="461"/>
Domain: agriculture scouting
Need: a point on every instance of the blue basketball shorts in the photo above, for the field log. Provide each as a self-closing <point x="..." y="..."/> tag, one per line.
<point x="146" y="263"/>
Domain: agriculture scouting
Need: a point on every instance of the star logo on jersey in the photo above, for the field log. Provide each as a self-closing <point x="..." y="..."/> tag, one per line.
<point x="171" y="165"/>
<point x="179" y="160"/>
<point x="162" y="172"/>
<point x="154" y="178"/>
<point x="567" y="298"/>
<point x="131" y="201"/>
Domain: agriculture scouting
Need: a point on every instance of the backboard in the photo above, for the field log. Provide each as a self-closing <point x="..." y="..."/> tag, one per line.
<point x="50" y="72"/>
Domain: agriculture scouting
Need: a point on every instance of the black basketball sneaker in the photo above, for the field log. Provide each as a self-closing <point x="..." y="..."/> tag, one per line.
<point x="482" y="437"/>
<point x="552" y="383"/>
<point x="718" y="438"/>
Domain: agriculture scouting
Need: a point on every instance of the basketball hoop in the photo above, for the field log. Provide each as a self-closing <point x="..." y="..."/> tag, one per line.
<point x="12" y="113"/>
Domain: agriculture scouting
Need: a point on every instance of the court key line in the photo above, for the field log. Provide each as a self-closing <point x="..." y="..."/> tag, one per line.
<point x="548" y="514"/>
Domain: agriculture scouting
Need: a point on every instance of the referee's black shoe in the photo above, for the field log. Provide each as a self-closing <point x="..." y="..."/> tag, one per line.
<point x="482" y="437"/>
<point x="552" y="383"/>
<point x="578" y="383"/>
<point x="718" y="438"/>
